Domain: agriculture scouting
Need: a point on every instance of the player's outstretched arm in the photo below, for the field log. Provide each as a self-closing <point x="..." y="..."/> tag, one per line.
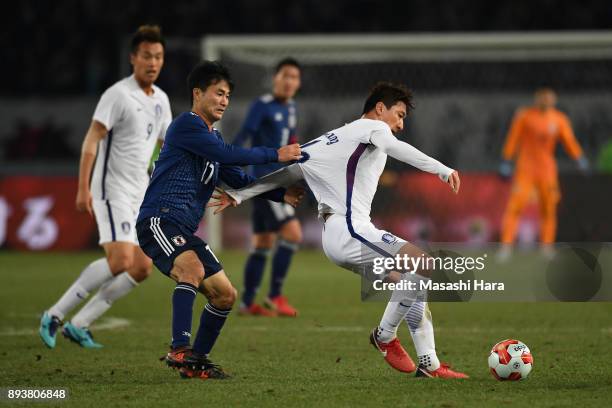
<point x="293" y="196"/>
<point x="284" y="177"/>
<point x="234" y="177"/>
<point x="96" y="132"/>
<point x="197" y="139"/>
<point x="384" y="140"/>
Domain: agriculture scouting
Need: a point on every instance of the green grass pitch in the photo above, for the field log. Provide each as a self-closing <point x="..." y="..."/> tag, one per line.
<point x="322" y="358"/>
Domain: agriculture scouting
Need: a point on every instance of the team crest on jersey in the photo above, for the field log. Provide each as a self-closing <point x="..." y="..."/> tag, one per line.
<point x="389" y="238"/>
<point x="278" y="117"/>
<point x="125" y="226"/>
<point x="179" y="240"/>
<point x="552" y="128"/>
<point x="158" y="110"/>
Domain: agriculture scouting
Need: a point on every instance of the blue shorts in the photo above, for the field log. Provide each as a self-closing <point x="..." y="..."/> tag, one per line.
<point x="269" y="216"/>
<point x="163" y="241"/>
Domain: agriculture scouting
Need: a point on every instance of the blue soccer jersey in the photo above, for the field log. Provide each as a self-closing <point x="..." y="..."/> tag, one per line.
<point x="270" y="123"/>
<point x="192" y="162"/>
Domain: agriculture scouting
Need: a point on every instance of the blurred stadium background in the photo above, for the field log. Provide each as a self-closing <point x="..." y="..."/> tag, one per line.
<point x="470" y="66"/>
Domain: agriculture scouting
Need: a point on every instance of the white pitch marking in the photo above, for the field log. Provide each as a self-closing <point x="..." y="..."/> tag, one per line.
<point x="108" y="323"/>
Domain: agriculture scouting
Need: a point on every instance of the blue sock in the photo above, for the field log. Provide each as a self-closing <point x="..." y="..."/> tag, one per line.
<point x="280" y="265"/>
<point x="182" y="312"/>
<point x="211" y="323"/>
<point x="253" y="273"/>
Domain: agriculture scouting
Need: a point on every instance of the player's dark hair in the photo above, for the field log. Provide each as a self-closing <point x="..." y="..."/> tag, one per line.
<point x="289" y="61"/>
<point x="389" y="94"/>
<point x="208" y="73"/>
<point x="147" y="33"/>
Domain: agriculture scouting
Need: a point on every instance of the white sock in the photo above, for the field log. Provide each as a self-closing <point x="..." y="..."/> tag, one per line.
<point x="391" y="319"/>
<point x="94" y="275"/>
<point x="112" y="290"/>
<point x="421" y="328"/>
<point x="398" y="306"/>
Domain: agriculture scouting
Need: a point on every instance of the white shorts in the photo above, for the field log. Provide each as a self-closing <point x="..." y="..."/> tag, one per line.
<point x="357" y="248"/>
<point x="116" y="221"/>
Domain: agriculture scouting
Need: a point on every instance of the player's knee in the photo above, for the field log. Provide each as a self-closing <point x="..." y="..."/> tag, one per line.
<point x="120" y="262"/>
<point x="226" y="299"/>
<point x="548" y="210"/>
<point x="293" y="235"/>
<point x="188" y="268"/>
<point x="263" y="241"/>
<point x="192" y="274"/>
<point x="141" y="272"/>
<point x="195" y="275"/>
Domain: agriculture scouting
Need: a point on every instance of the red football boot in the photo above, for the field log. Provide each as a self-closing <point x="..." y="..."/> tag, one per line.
<point x="443" y="372"/>
<point x="176" y="356"/>
<point x="256" y="310"/>
<point x="394" y="353"/>
<point x="281" y="306"/>
<point x="201" y="367"/>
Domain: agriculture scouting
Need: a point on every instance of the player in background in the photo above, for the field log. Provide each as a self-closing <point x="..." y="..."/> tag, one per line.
<point x="531" y="141"/>
<point x="271" y="121"/>
<point x="192" y="162"/>
<point x="342" y="168"/>
<point x="131" y="117"/>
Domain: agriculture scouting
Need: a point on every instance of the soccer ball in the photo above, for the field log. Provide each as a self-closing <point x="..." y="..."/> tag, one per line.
<point x="510" y="360"/>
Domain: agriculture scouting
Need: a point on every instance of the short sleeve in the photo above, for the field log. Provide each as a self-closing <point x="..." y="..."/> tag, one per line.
<point x="109" y="109"/>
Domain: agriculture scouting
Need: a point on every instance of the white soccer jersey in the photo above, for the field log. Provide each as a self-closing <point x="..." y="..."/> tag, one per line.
<point x="342" y="169"/>
<point x="343" y="166"/>
<point x="135" y="121"/>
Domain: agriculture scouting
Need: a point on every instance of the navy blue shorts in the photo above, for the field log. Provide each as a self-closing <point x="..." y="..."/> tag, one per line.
<point x="163" y="241"/>
<point x="269" y="216"/>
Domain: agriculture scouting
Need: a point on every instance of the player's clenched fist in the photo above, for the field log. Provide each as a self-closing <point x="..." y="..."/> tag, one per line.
<point x="454" y="181"/>
<point x="289" y="153"/>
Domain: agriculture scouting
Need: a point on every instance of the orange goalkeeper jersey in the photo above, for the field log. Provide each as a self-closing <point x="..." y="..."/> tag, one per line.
<point x="532" y="139"/>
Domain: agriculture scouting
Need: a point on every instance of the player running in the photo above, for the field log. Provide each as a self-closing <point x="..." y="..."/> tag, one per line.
<point x="131" y="117"/>
<point x="342" y="168"/>
<point x="532" y="140"/>
<point x="192" y="162"/>
<point x="271" y="122"/>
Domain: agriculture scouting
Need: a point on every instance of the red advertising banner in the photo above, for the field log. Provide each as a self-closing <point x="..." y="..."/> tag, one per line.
<point x="420" y="207"/>
<point x="38" y="213"/>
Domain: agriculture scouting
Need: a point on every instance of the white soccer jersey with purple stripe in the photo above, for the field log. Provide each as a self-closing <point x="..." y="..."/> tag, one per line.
<point x="135" y="121"/>
<point x="343" y="166"/>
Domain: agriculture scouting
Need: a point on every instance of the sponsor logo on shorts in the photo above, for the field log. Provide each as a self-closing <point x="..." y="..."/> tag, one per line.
<point x="179" y="240"/>
<point x="125" y="226"/>
<point x="389" y="238"/>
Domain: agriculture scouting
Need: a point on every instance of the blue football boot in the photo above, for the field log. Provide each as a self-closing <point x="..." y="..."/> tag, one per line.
<point x="80" y="336"/>
<point x="48" y="329"/>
